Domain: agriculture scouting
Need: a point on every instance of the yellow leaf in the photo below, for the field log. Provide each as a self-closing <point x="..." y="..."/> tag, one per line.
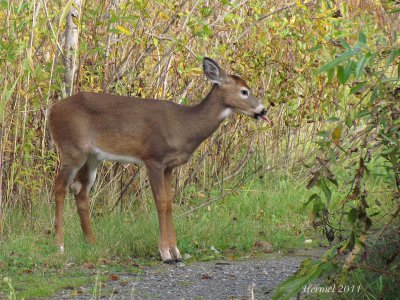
<point x="194" y="71"/>
<point x="301" y="5"/>
<point x="123" y="30"/>
<point x="336" y="135"/>
<point x="155" y="41"/>
<point x="30" y="60"/>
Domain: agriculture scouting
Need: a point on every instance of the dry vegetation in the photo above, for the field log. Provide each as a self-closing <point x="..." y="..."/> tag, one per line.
<point x="154" y="49"/>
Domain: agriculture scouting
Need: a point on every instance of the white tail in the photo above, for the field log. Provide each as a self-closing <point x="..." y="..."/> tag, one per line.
<point x="88" y="128"/>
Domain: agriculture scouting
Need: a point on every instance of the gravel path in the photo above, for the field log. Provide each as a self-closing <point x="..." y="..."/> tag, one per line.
<point x="200" y="280"/>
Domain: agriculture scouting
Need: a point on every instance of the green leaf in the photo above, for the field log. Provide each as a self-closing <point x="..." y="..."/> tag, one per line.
<point x="310" y="271"/>
<point x="345" y="45"/>
<point x="344" y="73"/>
<point x="387" y="151"/>
<point x="334" y="181"/>
<point x="374" y="95"/>
<point x="342" y="57"/>
<point x="324" y="187"/>
<point x="331" y="72"/>
<point x="352" y="215"/>
<point x="357" y="87"/>
<point x="317" y="207"/>
<point x="362" y="39"/>
<point x="206" y="11"/>
<point x="349" y="120"/>
<point x="7" y="94"/>
<point x="362" y="63"/>
<point x="362" y="114"/>
<point x="393" y="54"/>
<point x="340" y="74"/>
<point x="313" y="196"/>
<point x="323" y="134"/>
<point x="332" y="156"/>
<point x="315" y="48"/>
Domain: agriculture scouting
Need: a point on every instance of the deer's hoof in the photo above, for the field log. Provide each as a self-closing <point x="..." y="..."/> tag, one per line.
<point x="169" y="262"/>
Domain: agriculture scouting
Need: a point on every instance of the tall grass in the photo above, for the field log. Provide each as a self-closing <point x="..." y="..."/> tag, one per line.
<point x="263" y="209"/>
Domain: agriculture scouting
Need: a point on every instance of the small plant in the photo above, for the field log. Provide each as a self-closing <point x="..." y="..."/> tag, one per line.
<point x="358" y="146"/>
<point x="96" y="293"/>
<point x="11" y="294"/>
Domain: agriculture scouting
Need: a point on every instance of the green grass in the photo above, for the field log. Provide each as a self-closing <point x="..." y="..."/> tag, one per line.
<point x="267" y="210"/>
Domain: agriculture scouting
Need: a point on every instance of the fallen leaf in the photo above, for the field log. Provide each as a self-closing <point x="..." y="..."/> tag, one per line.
<point x="186" y="256"/>
<point x="114" y="277"/>
<point x="70" y="265"/>
<point x="212" y="248"/>
<point x="201" y="195"/>
<point x="88" y="265"/>
<point x="264" y="246"/>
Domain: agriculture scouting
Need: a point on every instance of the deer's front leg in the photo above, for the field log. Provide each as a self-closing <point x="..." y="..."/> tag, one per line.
<point x="156" y="177"/>
<point x="173" y="249"/>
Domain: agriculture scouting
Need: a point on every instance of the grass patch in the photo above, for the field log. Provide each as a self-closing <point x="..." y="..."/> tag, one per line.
<point x="267" y="210"/>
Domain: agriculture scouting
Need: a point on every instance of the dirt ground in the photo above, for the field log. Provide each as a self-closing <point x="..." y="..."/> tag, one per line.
<point x="253" y="278"/>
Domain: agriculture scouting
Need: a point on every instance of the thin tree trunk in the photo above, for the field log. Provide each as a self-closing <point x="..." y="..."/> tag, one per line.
<point x="111" y="38"/>
<point x="71" y="47"/>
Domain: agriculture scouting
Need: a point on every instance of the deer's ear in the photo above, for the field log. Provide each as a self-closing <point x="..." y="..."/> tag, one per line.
<point x="213" y="72"/>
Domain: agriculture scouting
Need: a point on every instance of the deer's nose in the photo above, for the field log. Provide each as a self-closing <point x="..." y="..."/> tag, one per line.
<point x="261" y="113"/>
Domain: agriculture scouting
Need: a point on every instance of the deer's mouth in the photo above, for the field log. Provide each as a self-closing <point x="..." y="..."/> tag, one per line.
<point x="262" y="115"/>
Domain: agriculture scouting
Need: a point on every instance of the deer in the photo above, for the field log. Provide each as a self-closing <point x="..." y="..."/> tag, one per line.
<point x="88" y="128"/>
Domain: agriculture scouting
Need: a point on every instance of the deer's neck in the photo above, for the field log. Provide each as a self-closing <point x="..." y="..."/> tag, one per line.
<point x="206" y="117"/>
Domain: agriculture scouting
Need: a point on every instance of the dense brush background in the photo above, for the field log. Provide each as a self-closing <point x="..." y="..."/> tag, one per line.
<point x="154" y="49"/>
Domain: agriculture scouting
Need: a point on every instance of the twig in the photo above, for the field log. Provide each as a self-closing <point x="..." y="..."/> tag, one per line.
<point x="148" y="50"/>
<point x="205" y="204"/>
<point x="390" y="222"/>
<point x="371" y="268"/>
<point x="266" y="16"/>
<point x="125" y="189"/>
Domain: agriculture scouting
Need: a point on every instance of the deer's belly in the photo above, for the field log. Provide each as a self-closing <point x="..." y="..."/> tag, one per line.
<point x="177" y="160"/>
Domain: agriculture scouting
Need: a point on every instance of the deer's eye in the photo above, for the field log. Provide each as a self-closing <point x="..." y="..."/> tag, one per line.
<point x="244" y="92"/>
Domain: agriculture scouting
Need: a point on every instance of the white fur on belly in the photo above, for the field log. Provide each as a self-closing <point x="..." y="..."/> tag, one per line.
<point x="102" y="155"/>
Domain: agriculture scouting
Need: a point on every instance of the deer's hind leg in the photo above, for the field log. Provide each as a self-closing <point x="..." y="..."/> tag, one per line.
<point x="61" y="184"/>
<point x="81" y="187"/>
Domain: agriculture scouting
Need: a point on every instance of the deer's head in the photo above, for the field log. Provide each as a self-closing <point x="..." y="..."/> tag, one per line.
<point x="234" y="91"/>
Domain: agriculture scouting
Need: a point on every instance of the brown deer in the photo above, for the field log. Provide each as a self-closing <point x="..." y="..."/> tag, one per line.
<point x="88" y="128"/>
